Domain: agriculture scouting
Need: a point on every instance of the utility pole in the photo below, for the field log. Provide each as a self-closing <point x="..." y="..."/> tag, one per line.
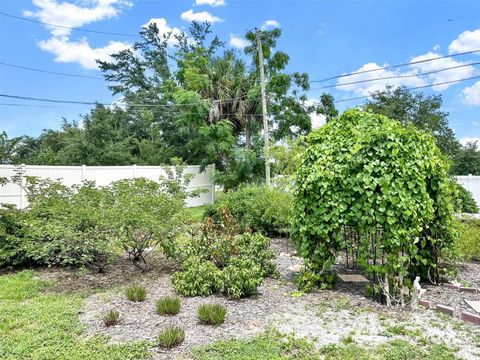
<point x="264" y="107"/>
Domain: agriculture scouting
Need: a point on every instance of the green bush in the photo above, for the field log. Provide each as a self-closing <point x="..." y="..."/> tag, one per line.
<point x="256" y="208"/>
<point x="111" y="318"/>
<point x="220" y="262"/>
<point x="13" y="244"/>
<point x="211" y="314"/>
<point x="468" y="241"/>
<point x="241" y="278"/>
<point x="136" y="293"/>
<point x="199" y="278"/>
<point x="376" y="188"/>
<point x="464" y="201"/>
<point x="170" y="337"/>
<point x="168" y="305"/>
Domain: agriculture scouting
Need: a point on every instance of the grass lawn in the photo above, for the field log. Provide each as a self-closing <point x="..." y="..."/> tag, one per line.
<point x="37" y="323"/>
<point x="272" y="346"/>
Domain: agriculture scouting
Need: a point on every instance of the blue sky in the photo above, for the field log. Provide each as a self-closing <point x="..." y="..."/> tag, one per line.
<point x="323" y="38"/>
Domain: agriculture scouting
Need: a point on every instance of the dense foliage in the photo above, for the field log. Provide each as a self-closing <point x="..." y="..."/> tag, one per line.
<point x="464" y="201"/>
<point x="467" y="160"/>
<point x="216" y="260"/>
<point x="85" y="225"/>
<point x="419" y="109"/>
<point x="183" y="96"/>
<point x="255" y="208"/>
<point x="378" y="189"/>
<point x="468" y="242"/>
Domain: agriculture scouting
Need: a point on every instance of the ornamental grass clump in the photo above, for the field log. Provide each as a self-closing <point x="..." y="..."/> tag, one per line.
<point x="111" y="318"/>
<point x="170" y="337"/>
<point x="136" y="293"/>
<point x="212" y="314"/>
<point x="378" y="191"/>
<point x="168" y="305"/>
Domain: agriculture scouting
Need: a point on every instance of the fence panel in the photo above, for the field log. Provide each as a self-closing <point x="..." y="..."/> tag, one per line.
<point x="104" y="175"/>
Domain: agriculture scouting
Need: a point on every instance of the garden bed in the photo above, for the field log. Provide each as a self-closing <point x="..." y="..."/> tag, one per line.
<point x="330" y="316"/>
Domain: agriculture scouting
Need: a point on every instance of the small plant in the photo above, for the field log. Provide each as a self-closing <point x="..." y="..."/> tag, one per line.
<point x="170" y="337"/>
<point x="111" y="318"/>
<point x="211" y="314"/>
<point x="136" y="293"/>
<point x="168" y="305"/>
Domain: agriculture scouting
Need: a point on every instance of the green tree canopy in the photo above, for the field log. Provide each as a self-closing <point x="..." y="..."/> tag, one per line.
<point x="417" y="108"/>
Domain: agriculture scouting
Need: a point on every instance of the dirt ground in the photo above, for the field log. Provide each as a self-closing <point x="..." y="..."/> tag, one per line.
<point x="325" y="317"/>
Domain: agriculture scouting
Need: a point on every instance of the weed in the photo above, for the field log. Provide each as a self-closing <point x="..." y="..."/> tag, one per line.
<point x="170" y="337"/>
<point x="211" y="314"/>
<point x="168" y="305"/>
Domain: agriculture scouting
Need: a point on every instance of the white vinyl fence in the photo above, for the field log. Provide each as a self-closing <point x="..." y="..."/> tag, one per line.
<point x="103" y="175"/>
<point x="472" y="184"/>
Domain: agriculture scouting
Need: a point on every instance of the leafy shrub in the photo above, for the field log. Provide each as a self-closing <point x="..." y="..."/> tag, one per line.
<point x="255" y="208"/>
<point x="378" y="189"/>
<point x="241" y="278"/>
<point x="212" y="314"/>
<point x="464" y="201"/>
<point x="468" y="241"/>
<point x="136" y="293"/>
<point x="170" y="337"/>
<point x="308" y="280"/>
<point x="111" y="318"/>
<point x="217" y="261"/>
<point x="142" y="215"/>
<point x="168" y="305"/>
<point x="199" y="278"/>
<point x="13" y="245"/>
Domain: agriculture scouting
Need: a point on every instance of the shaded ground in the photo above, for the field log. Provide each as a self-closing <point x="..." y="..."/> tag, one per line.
<point x="342" y="314"/>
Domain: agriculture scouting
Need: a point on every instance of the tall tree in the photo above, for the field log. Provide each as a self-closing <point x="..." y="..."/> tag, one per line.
<point x="467" y="160"/>
<point x="422" y="110"/>
<point x="327" y="107"/>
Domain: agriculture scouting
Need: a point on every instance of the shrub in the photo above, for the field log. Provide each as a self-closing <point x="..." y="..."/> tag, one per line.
<point x="136" y="293"/>
<point x="308" y="280"/>
<point x="468" y="241"/>
<point x="378" y="189"/>
<point x="142" y="214"/>
<point x="170" y="337"/>
<point x="168" y="305"/>
<point x="199" y="278"/>
<point x="111" y="318"/>
<point x="255" y="208"/>
<point x="464" y="201"/>
<point x="13" y="244"/>
<point x="211" y="314"/>
<point x="241" y="278"/>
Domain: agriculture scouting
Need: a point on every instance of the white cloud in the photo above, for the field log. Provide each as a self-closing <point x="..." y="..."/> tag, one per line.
<point x="464" y="141"/>
<point x="442" y="76"/>
<point x="164" y="29"/>
<point x="199" y="16"/>
<point x="365" y="88"/>
<point x="73" y="15"/>
<point x="471" y="94"/>
<point x="317" y="119"/>
<point x="466" y="41"/>
<point x="213" y="3"/>
<point x="81" y="52"/>
<point x="238" y="42"/>
<point x="270" y="24"/>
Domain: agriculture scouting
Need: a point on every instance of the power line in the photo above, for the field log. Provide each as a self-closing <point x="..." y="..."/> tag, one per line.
<point x="67" y="27"/>
<point x="396" y="76"/>
<point x="396" y="66"/>
<point x="50" y="72"/>
<point x="413" y="88"/>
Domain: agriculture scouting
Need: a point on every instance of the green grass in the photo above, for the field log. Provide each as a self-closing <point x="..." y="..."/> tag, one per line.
<point x="211" y="314"/>
<point x="36" y="323"/>
<point x="273" y="346"/>
<point x="170" y="337"/>
<point x="136" y="293"/>
<point x="168" y="305"/>
<point x="196" y="213"/>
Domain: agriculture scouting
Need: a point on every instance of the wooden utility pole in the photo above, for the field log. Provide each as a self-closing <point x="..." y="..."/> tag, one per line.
<point x="264" y="107"/>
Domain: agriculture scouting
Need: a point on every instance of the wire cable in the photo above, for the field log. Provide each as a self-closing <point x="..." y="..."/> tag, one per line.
<point x="50" y="72"/>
